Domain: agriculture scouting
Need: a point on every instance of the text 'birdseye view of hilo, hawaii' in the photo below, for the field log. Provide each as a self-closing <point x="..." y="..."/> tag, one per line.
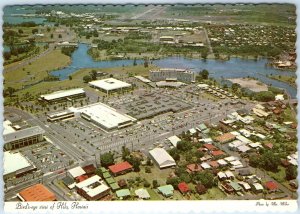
<point x="149" y="103"/>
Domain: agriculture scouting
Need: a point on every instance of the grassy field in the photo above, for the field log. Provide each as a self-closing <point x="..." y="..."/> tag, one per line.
<point x="278" y="176"/>
<point x="287" y="79"/>
<point x="36" y="71"/>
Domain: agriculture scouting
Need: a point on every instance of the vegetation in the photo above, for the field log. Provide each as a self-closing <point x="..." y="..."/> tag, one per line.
<point x="68" y="50"/>
<point x="107" y="159"/>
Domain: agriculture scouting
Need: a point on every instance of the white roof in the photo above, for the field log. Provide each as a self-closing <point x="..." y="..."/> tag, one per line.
<point x="255" y="145"/>
<point x="245" y="185"/>
<point x="261" y="136"/>
<point x="293" y="161"/>
<point x="77" y="171"/>
<point x="229" y="174"/>
<point x="162" y="157"/>
<point x="202" y="85"/>
<point x="236" y="162"/>
<point x="142" y="193"/>
<point x="192" y="131"/>
<point x="258" y="186"/>
<point x="243" y="139"/>
<point x="174" y="140"/>
<point x="206" y="140"/>
<point x="245" y="132"/>
<point x="243" y="148"/>
<point x="221" y="175"/>
<point x="222" y="162"/>
<point x="64" y="93"/>
<point x="14" y="162"/>
<point x="279" y="97"/>
<point x="236" y="143"/>
<point x="7" y="127"/>
<point x="205" y="165"/>
<point x="109" y="84"/>
<point x="104" y="115"/>
<point x="235" y="133"/>
<point x="143" y="79"/>
<point x="86" y="185"/>
<point x="230" y="158"/>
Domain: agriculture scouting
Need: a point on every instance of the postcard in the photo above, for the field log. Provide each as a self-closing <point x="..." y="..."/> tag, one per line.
<point x="156" y="108"/>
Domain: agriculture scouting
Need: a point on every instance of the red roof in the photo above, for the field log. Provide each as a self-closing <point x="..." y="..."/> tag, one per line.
<point x="89" y="168"/>
<point x="271" y="185"/>
<point x="119" y="167"/>
<point x="37" y="192"/>
<point x="183" y="187"/>
<point x="217" y="153"/>
<point x="269" y="145"/>
<point x="214" y="164"/>
<point x="194" y="167"/>
<point x="81" y="178"/>
<point x="209" y="146"/>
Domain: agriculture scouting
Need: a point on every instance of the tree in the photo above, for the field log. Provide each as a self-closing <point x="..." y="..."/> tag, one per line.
<point x="87" y="78"/>
<point x="125" y="153"/>
<point x="70" y="77"/>
<point x="146" y="63"/>
<point x="173" y="181"/>
<point x="184" y="145"/>
<point x="20" y="31"/>
<point x="147" y="169"/>
<point x="206" y="178"/>
<point x="34" y="31"/>
<point x="10" y="91"/>
<point x="48" y="29"/>
<point x="175" y="154"/>
<point x="146" y="184"/>
<point x="204" y="55"/>
<point x="291" y="172"/>
<point x="235" y="87"/>
<point x="204" y="74"/>
<point x="59" y="36"/>
<point x="107" y="159"/>
<point x="7" y="55"/>
<point x="264" y="96"/>
<point x="134" y="62"/>
<point x="155" y="184"/>
<point x="94" y="74"/>
<point x="51" y="36"/>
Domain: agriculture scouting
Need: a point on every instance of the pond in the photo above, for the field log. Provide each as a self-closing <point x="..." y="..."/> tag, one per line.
<point x="233" y="68"/>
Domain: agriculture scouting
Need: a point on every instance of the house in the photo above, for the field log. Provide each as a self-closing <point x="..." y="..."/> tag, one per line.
<point x="268" y="145"/>
<point x="183" y="188"/>
<point x="229" y="175"/>
<point x="244" y="172"/>
<point x="174" y="140"/>
<point x="122" y="183"/>
<point x="81" y="178"/>
<point x="123" y="193"/>
<point x="225" y="138"/>
<point x="236" y="187"/>
<point x="166" y="190"/>
<point x="214" y="164"/>
<point x="200" y="189"/>
<point x="222" y="162"/>
<point x="142" y="193"/>
<point x="222" y="176"/>
<point x="257" y="188"/>
<point x="89" y="169"/>
<point x="205" y="165"/>
<point x="191" y="168"/>
<point x="271" y="186"/>
<point x="69" y="182"/>
<point x="245" y="185"/>
<point x="228" y="188"/>
<point x="210" y="147"/>
<point x="217" y="153"/>
<point x="162" y="158"/>
<point x="243" y="148"/>
<point x="120" y="168"/>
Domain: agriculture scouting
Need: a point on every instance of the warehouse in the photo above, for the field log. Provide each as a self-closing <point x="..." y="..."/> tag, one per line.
<point x="13" y="170"/>
<point x="109" y="85"/>
<point x="24" y="137"/>
<point x="163" y="74"/>
<point x="63" y="95"/>
<point x="104" y="116"/>
<point x="162" y="158"/>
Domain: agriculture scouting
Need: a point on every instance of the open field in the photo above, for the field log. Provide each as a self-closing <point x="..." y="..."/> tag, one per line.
<point x="287" y="79"/>
<point x="251" y="84"/>
<point x="37" y="71"/>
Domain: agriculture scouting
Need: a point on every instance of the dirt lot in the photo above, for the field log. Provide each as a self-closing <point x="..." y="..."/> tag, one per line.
<point x="251" y="84"/>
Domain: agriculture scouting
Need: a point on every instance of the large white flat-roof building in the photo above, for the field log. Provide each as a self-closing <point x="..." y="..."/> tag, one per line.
<point x="110" y="84"/>
<point x="162" y="158"/>
<point x="15" y="165"/>
<point x="7" y="126"/>
<point x="183" y="75"/>
<point x="63" y="95"/>
<point x="24" y="137"/>
<point x="104" y="116"/>
<point x="93" y="188"/>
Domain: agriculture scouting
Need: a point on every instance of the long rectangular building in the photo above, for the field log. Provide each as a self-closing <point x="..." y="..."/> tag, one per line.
<point x="24" y="137"/>
<point x="183" y="75"/>
<point x="104" y="116"/>
<point x="63" y="95"/>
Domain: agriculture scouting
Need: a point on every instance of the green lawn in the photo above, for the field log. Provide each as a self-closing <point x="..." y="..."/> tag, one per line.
<point x="213" y="194"/>
<point x="278" y="176"/>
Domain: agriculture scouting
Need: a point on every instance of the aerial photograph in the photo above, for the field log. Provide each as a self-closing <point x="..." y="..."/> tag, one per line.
<point x="149" y="102"/>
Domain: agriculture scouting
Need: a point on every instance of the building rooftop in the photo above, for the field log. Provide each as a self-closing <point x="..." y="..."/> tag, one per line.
<point x="24" y="133"/>
<point x="174" y="140"/>
<point x="183" y="187"/>
<point x="37" y="192"/>
<point x="7" y="127"/>
<point x="142" y="193"/>
<point x="106" y="116"/>
<point x="92" y="186"/>
<point x="77" y="171"/>
<point x="109" y="84"/>
<point x="166" y="190"/>
<point x="14" y="162"/>
<point x="61" y="94"/>
<point x="119" y="167"/>
<point x="162" y="157"/>
<point x="123" y="193"/>
<point x="225" y="137"/>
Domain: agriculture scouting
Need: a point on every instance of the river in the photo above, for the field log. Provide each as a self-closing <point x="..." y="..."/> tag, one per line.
<point x="233" y="68"/>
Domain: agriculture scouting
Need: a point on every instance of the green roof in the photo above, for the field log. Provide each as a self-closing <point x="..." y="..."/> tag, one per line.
<point x="103" y="170"/>
<point x="235" y="186"/>
<point x="202" y="126"/>
<point x="123" y="193"/>
<point x="166" y="190"/>
<point x="68" y="180"/>
<point x="106" y="175"/>
<point x="114" y="186"/>
<point x="110" y="180"/>
<point x="206" y="131"/>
